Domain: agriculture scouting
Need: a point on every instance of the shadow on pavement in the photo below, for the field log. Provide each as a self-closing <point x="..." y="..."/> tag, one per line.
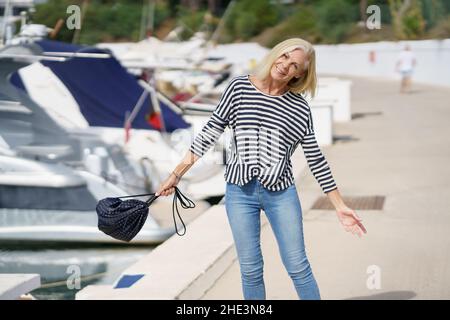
<point x="391" y="295"/>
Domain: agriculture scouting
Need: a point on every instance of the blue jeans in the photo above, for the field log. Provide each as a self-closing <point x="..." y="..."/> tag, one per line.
<point x="283" y="210"/>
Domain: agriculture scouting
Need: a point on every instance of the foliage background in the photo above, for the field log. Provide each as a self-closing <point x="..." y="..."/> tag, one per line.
<point x="263" y="21"/>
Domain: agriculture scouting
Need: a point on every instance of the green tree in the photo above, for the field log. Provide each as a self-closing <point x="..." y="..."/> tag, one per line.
<point x="249" y="18"/>
<point x="408" y="21"/>
<point x="191" y="21"/>
<point x="433" y="11"/>
<point x="104" y="20"/>
<point x="301" y="23"/>
<point x="50" y="12"/>
<point x="335" y="18"/>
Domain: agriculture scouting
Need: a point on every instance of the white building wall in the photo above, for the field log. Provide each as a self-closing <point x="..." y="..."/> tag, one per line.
<point x="433" y="60"/>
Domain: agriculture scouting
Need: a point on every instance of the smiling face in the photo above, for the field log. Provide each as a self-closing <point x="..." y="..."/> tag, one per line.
<point x="288" y="65"/>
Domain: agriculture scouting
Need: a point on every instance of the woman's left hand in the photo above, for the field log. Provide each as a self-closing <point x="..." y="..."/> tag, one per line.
<point x="350" y="221"/>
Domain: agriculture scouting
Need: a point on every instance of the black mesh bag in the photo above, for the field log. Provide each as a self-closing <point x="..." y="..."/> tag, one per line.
<point x="123" y="220"/>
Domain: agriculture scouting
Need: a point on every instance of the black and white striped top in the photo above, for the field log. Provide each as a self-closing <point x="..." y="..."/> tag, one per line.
<point x="265" y="130"/>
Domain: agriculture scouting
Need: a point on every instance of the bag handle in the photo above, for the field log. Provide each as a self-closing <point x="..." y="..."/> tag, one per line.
<point x="185" y="202"/>
<point x="137" y="195"/>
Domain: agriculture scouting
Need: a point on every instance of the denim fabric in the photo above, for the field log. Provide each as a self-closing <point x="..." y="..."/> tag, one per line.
<point x="283" y="210"/>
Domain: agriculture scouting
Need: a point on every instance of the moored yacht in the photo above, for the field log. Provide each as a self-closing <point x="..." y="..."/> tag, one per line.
<point x="50" y="202"/>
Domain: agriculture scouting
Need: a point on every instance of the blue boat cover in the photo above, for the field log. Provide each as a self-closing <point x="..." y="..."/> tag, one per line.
<point x="16" y="80"/>
<point x="103" y="89"/>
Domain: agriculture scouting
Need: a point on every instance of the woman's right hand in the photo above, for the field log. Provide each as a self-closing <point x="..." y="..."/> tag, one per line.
<point x="168" y="186"/>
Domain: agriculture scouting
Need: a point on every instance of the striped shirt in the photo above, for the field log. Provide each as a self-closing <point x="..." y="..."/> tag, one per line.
<point x="265" y="130"/>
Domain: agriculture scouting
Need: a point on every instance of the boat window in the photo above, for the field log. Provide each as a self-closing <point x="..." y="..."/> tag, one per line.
<point x="22" y="197"/>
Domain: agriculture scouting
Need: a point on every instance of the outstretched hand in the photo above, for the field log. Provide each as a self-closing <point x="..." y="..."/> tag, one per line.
<point x="351" y="221"/>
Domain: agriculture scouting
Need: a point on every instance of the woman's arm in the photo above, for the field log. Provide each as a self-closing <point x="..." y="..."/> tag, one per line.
<point x="336" y="199"/>
<point x="167" y="187"/>
<point x="317" y="163"/>
<point x="186" y="163"/>
<point x="210" y="133"/>
<point x="202" y="143"/>
<point x="322" y="172"/>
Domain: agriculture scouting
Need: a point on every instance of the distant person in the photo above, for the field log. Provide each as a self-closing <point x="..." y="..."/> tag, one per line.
<point x="269" y="118"/>
<point x="406" y="62"/>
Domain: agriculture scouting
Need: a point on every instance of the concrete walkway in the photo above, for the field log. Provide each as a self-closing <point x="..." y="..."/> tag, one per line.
<point x="397" y="146"/>
<point x="17" y="286"/>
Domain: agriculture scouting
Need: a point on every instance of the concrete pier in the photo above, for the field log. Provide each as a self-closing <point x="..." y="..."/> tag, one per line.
<point x="14" y="286"/>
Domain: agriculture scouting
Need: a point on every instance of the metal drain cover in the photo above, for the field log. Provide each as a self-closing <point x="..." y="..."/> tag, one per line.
<point x="356" y="203"/>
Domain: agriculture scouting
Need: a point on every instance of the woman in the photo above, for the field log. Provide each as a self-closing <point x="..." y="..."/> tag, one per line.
<point x="269" y="118"/>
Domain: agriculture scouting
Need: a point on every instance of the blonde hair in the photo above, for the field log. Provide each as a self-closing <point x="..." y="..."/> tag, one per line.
<point x="307" y="82"/>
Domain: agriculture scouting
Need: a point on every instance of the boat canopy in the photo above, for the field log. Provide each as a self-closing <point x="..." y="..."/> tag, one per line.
<point x="105" y="92"/>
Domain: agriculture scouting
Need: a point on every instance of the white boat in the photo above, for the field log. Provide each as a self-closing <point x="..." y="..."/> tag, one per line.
<point x="50" y="202"/>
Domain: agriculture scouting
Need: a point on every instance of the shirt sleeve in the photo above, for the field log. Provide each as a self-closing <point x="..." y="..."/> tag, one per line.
<point x="316" y="160"/>
<point x="216" y="124"/>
